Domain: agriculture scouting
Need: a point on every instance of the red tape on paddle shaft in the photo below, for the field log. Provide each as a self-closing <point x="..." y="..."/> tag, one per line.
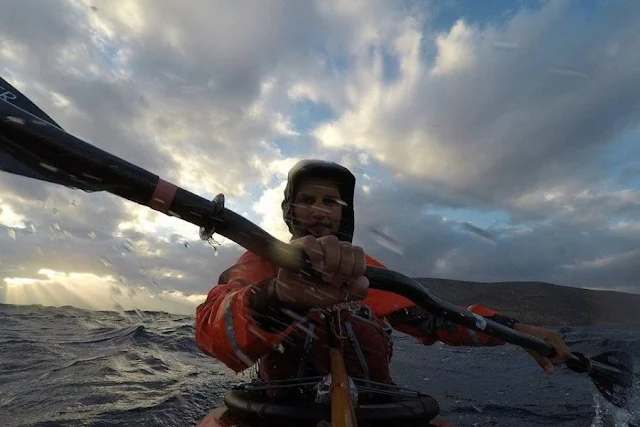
<point x="163" y="196"/>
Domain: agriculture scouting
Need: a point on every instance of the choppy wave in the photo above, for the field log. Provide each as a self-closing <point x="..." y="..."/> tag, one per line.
<point x="71" y="367"/>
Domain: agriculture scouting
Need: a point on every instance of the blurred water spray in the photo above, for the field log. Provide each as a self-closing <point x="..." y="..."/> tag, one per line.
<point x="386" y="241"/>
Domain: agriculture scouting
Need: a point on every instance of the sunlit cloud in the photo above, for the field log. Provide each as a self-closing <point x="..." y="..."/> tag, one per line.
<point x="9" y="218"/>
<point x="147" y="221"/>
<point x="268" y="207"/>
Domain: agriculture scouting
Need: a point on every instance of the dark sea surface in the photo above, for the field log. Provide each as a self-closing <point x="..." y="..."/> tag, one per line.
<point x="72" y="367"/>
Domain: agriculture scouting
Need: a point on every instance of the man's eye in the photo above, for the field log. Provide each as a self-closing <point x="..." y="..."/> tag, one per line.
<point x="307" y="200"/>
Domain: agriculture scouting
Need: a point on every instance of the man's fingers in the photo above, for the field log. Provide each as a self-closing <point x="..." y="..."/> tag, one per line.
<point x="544" y="362"/>
<point x="357" y="288"/>
<point x="342" y="266"/>
<point x="360" y="261"/>
<point x="314" y="251"/>
<point x="345" y="269"/>
<point x="331" y="248"/>
<point x="552" y="337"/>
<point x="563" y="352"/>
<point x="559" y="357"/>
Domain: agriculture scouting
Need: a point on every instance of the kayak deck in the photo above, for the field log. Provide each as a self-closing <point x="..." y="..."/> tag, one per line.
<point x="292" y="402"/>
<point x="222" y="417"/>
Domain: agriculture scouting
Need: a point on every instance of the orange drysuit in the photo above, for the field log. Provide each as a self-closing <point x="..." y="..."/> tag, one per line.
<point x="226" y="330"/>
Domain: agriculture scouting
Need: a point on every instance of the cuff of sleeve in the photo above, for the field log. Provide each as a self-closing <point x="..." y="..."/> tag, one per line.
<point x="507" y="321"/>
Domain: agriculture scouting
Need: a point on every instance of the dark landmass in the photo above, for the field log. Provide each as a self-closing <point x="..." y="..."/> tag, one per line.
<point x="542" y="303"/>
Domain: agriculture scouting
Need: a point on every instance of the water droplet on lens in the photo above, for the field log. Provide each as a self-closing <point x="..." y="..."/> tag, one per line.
<point x="128" y="246"/>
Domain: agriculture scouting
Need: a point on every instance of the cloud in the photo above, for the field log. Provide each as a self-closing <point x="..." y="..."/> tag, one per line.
<point x="487" y="147"/>
<point x="272" y="220"/>
<point x="455" y="50"/>
<point x="577" y="242"/>
<point x="488" y="125"/>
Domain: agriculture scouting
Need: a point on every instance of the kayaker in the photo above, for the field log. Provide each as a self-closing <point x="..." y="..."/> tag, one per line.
<point x="279" y="320"/>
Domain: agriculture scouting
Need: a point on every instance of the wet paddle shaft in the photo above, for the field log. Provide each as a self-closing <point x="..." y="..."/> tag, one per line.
<point x="33" y="145"/>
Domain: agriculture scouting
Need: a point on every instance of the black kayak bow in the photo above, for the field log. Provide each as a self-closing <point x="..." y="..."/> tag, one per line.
<point x="33" y="145"/>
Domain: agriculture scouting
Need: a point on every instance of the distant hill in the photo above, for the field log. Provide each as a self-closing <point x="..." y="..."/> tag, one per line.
<point x="542" y="303"/>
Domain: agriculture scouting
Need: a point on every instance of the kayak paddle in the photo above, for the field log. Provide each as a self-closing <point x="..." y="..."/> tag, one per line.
<point x="34" y="146"/>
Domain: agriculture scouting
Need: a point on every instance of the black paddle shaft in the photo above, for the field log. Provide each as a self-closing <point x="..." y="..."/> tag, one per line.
<point x="70" y="161"/>
<point x="35" y="146"/>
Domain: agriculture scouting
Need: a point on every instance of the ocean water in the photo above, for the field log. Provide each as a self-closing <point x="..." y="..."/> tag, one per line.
<point x="71" y="367"/>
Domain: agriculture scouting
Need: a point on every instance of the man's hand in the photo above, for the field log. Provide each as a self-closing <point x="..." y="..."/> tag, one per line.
<point x="342" y="266"/>
<point x="552" y="337"/>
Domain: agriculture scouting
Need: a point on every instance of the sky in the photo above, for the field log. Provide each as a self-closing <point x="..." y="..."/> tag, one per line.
<point x="491" y="141"/>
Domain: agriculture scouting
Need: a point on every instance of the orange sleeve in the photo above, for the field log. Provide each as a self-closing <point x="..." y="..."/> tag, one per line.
<point x="432" y="329"/>
<point x="384" y="302"/>
<point x="224" y="326"/>
<point x="458" y="335"/>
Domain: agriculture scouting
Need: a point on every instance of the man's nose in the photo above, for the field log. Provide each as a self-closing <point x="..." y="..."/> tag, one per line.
<point x="318" y="209"/>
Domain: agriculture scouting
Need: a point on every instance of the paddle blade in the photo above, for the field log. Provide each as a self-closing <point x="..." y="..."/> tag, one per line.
<point x="10" y="95"/>
<point x="612" y="374"/>
<point x="15" y="158"/>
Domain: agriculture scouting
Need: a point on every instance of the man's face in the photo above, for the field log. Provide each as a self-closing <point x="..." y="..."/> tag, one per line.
<point x="317" y="207"/>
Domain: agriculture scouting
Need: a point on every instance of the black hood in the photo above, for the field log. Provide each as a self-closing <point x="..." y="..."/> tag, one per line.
<point x="321" y="169"/>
